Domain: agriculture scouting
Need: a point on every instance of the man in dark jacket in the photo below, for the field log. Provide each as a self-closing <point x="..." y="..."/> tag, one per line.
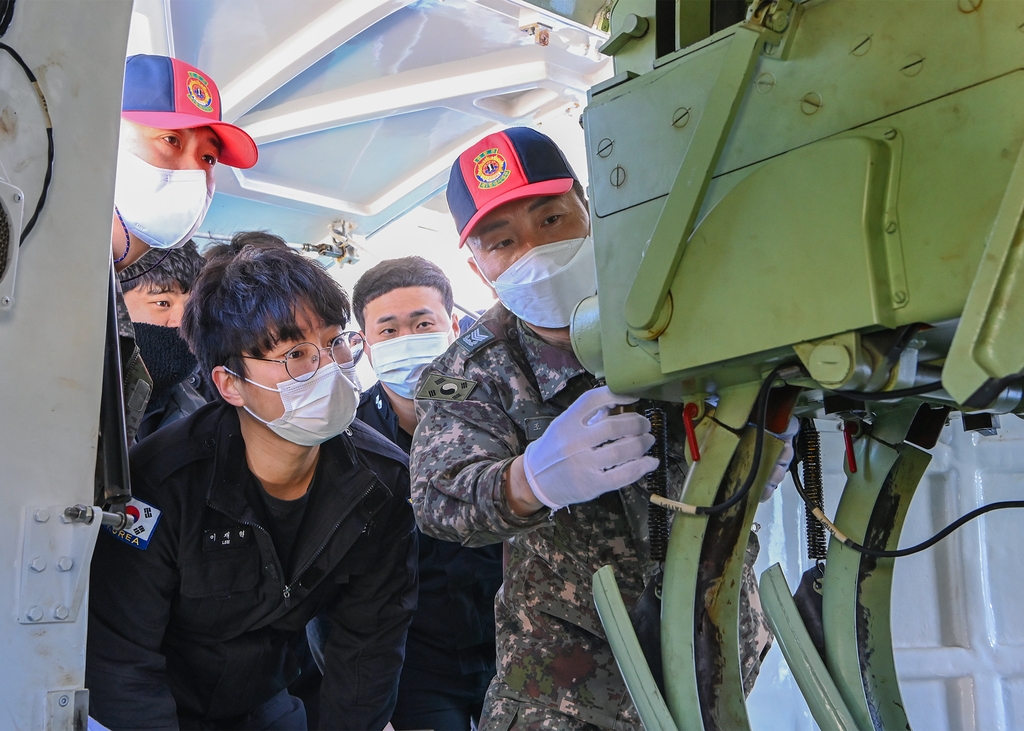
<point x="156" y="288"/>
<point x="404" y="308"/>
<point x="252" y="515"/>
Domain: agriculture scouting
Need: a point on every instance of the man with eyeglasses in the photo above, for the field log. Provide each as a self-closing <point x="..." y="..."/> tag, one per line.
<point x="252" y="515"/>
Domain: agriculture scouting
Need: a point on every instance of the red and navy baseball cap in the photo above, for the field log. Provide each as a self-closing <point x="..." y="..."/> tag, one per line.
<point x="515" y="163"/>
<point x="164" y="92"/>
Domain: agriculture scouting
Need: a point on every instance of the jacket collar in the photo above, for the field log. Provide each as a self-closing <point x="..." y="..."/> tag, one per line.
<point x="553" y="367"/>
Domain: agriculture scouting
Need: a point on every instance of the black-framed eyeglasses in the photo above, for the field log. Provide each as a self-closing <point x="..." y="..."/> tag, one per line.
<point x="303" y="360"/>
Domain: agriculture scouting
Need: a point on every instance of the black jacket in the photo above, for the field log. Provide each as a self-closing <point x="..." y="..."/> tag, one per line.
<point x="452" y="632"/>
<point x="192" y="624"/>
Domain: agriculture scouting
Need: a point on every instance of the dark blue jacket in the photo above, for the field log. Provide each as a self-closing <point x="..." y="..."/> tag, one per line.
<point x="452" y="631"/>
<point x="200" y="626"/>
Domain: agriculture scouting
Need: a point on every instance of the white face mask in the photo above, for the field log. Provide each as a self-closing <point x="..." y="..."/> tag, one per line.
<point x="349" y="369"/>
<point x="314" y="410"/>
<point x="162" y="207"/>
<point x="544" y="286"/>
<point x="400" y="362"/>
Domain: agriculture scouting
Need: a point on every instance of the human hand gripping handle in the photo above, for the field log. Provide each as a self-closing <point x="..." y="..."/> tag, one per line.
<point x="586" y="451"/>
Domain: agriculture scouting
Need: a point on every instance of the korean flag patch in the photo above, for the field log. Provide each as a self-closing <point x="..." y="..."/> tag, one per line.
<point x="146" y="518"/>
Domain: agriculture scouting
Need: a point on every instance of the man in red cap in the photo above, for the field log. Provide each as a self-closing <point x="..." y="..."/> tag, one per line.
<point x="517" y="442"/>
<point x="171" y="138"/>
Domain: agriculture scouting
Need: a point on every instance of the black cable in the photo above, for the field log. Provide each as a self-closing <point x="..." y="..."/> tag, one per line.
<point x="762" y="424"/>
<point x="899" y="553"/>
<point x="889" y="395"/>
<point x="6" y="15"/>
<point x="49" y="141"/>
<point x="146" y="271"/>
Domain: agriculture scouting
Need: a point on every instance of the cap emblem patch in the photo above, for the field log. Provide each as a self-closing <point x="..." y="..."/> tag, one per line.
<point x="490" y="168"/>
<point x="198" y="91"/>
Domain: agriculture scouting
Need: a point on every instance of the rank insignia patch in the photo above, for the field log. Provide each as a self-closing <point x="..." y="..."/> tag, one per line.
<point x="146" y="518"/>
<point x="475" y="339"/>
<point x="439" y="387"/>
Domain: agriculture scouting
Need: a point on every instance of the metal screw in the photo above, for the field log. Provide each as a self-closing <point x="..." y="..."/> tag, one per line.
<point x="5" y="301"/>
<point x="34" y="614"/>
<point x="913" y="65"/>
<point x="604" y="147"/>
<point x="765" y="82"/>
<point x="899" y="297"/>
<point x="63" y="701"/>
<point x="680" y="117"/>
<point x="778" y="22"/>
<point x="61" y="612"/>
<point x="968" y="6"/>
<point x="41" y="515"/>
<point x="811" y="103"/>
<point x="889" y="134"/>
<point x="64" y="563"/>
<point x="769" y="49"/>
<point x="861" y="46"/>
<point x="38" y="564"/>
<point x="618" y="176"/>
<point x="18" y="197"/>
<point x="890" y="228"/>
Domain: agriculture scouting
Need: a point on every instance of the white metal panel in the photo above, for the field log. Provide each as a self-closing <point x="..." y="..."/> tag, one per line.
<point x="957" y="624"/>
<point x="51" y="340"/>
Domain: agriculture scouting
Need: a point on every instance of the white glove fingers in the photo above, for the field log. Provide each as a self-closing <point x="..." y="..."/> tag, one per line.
<point x="620" y="451"/>
<point x="629" y="472"/>
<point x="589" y="404"/>
<point x="618" y="426"/>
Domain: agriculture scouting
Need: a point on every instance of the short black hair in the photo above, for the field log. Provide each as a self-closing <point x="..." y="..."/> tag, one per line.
<point x="247" y="303"/>
<point x="256" y="239"/>
<point x="159" y="270"/>
<point x="409" y="271"/>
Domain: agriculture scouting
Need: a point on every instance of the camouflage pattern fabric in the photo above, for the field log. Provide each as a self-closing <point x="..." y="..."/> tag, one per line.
<point x="553" y="657"/>
<point x="136" y="381"/>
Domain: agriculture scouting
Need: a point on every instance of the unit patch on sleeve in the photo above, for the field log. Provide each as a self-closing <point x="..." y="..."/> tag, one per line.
<point x="146" y="519"/>
<point x="439" y="387"/>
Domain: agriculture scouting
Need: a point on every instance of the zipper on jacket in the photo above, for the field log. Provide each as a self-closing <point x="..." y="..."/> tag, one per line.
<point x="288" y="587"/>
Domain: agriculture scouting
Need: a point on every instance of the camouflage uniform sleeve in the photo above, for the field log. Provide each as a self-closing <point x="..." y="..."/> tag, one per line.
<point x="461" y="453"/>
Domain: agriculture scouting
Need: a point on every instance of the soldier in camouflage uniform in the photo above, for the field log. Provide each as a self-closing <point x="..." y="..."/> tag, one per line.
<point x="509" y="387"/>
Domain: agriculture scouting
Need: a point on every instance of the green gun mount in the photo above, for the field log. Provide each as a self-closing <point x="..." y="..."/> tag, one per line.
<point x="836" y="185"/>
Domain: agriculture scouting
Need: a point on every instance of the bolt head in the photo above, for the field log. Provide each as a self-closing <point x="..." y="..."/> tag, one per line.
<point x="38" y="564"/>
<point x="890" y="228"/>
<point x="811" y="103"/>
<point x="41" y="515"/>
<point x="899" y="297"/>
<point x="61" y="612"/>
<point x="604" y="147"/>
<point x="34" y="614"/>
<point x="889" y="134"/>
<point x="18" y="197"/>
<point x="63" y="701"/>
<point x="681" y="117"/>
<point x="64" y="563"/>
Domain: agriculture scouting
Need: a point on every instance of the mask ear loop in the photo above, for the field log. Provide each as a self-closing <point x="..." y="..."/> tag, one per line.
<point x="127" y="239"/>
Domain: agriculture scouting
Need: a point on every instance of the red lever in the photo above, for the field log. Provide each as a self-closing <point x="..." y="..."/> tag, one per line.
<point x="690" y="412"/>
<point x="851" y="460"/>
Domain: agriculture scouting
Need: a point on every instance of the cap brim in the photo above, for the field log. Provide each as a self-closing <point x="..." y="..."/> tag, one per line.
<point x="558" y="186"/>
<point x="238" y="149"/>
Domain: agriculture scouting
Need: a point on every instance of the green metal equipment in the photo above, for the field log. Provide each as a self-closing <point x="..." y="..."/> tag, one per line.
<point x="816" y="197"/>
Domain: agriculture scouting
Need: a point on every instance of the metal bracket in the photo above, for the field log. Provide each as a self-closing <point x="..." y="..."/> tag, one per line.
<point x="67" y="710"/>
<point x="55" y="555"/>
<point x="12" y="200"/>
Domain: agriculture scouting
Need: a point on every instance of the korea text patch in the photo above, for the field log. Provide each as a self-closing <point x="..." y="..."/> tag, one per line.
<point x="146" y="518"/>
<point x="439" y="387"/>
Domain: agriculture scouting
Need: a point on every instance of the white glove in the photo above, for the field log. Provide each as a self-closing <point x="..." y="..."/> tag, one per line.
<point x="586" y="452"/>
<point x="782" y="466"/>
